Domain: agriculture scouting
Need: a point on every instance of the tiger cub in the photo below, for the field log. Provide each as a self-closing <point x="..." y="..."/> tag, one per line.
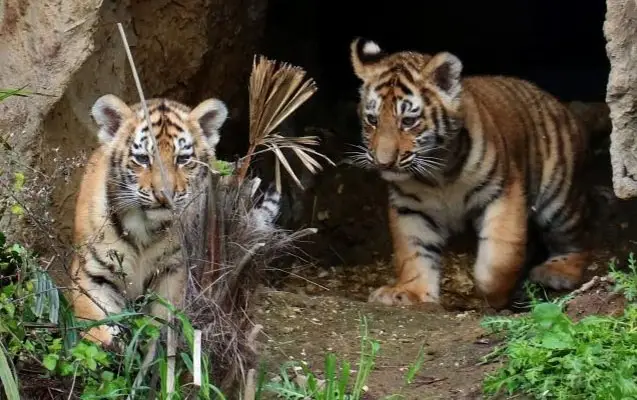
<point x="123" y="219"/>
<point x="489" y="150"/>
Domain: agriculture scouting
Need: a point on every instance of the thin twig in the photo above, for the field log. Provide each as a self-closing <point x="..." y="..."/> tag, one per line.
<point x="171" y="352"/>
<point x="167" y="192"/>
<point x="73" y="383"/>
<point x="251" y="385"/>
<point x="196" y="359"/>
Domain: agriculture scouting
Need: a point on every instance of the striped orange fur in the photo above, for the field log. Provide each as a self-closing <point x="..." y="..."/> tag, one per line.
<point x="494" y="151"/>
<point x="124" y="232"/>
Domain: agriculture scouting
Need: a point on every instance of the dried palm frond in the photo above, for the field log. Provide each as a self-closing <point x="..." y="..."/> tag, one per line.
<point x="276" y="91"/>
<point x="228" y="252"/>
<point x="228" y="246"/>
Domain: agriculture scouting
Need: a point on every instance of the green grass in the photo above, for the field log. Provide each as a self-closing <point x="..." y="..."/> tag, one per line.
<point x="546" y="355"/>
<point x="336" y="385"/>
<point x="39" y="331"/>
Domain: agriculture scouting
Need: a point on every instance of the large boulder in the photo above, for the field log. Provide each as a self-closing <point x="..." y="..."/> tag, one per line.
<point x="620" y="29"/>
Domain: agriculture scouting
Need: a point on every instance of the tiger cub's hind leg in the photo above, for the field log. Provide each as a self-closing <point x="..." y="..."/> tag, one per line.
<point x="568" y="256"/>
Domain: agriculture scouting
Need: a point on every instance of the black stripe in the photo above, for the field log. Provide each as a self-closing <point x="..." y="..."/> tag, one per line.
<point x="485" y="183"/>
<point x="102" y="280"/>
<point x="426" y="218"/>
<point x="398" y="191"/>
<point x="169" y="122"/>
<point x="525" y="96"/>
<point x="168" y="270"/>
<point x="384" y="85"/>
<point x="106" y="265"/>
<point x="460" y="148"/>
<point x="425" y="96"/>
<point x="435" y="119"/>
<point x="426" y="248"/>
<point x="404" y="88"/>
<point x="114" y="217"/>
<point x="557" y="178"/>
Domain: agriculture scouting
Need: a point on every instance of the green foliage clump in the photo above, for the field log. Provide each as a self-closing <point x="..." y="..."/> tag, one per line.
<point x="549" y="356"/>
<point x="38" y="330"/>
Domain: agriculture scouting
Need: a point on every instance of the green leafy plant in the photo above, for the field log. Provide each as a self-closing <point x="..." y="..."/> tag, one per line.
<point x="38" y="330"/>
<point x="549" y="356"/>
<point x="224" y="168"/>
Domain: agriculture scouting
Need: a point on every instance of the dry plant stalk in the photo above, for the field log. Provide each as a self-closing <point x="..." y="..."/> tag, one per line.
<point x="227" y="246"/>
<point x="276" y="91"/>
<point x="162" y="169"/>
<point x="166" y="190"/>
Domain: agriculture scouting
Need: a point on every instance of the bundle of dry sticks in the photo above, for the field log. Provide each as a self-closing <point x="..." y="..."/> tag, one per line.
<point x="228" y="260"/>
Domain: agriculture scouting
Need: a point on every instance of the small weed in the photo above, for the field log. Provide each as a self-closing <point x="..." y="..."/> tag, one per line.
<point x="223" y="167"/>
<point x="335" y="385"/>
<point x="625" y="281"/>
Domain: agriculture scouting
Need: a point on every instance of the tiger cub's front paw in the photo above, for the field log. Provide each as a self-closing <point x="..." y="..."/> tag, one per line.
<point x="401" y="295"/>
<point x="102" y="335"/>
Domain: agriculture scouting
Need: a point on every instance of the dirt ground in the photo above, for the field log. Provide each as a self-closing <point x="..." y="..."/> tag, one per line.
<point x="305" y="328"/>
<point x="317" y="307"/>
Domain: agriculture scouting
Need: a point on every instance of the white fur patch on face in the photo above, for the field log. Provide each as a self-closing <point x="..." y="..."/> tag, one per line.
<point x="409" y="106"/>
<point x="371" y="48"/>
<point x="142" y="144"/>
<point x="395" y="176"/>
<point x="371" y="102"/>
<point x="184" y="144"/>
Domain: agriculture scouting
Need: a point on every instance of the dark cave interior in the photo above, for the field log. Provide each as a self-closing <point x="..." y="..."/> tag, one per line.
<point x="559" y="45"/>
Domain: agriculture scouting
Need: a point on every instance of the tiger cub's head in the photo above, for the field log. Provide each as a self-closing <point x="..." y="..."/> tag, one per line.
<point x="410" y="109"/>
<point x="186" y="141"/>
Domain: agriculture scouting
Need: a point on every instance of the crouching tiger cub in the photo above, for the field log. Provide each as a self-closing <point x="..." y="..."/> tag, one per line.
<point x="493" y="151"/>
<point x="123" y="220"/>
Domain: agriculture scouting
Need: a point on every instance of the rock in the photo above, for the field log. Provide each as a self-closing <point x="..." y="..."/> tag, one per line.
<point x="72" y="52"/>
<point x="620" y="30"/>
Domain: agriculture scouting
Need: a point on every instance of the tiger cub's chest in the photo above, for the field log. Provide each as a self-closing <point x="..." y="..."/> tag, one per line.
<point x="447" y="205"/>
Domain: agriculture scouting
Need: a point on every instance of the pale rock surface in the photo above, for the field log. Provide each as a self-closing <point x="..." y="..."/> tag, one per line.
<point x="620" y="29"/>
<point x="71" y="51"/>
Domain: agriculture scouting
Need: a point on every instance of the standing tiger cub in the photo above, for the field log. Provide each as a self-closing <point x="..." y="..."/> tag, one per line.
<point x="495" y="151"/>
<point x="123" y="219"/>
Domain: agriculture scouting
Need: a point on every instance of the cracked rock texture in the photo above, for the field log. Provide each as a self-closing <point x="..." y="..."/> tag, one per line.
<point x="72" y="53"/>
<point x="620" y="29"/>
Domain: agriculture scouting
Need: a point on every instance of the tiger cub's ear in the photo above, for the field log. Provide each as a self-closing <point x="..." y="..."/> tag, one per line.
<point x="364" y="56"/>
<point x="444" y="71"/>
<point x="109" y="111"/>
<point x="210" y="116"/>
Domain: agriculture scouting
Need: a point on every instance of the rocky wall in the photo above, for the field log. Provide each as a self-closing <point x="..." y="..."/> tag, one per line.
<point x="71" y="52"/>
<point x="620" y="29"/>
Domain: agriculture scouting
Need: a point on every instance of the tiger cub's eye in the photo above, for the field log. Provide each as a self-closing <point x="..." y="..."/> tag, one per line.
<point x="142" y="159"/>
<point x="408" y="122"/>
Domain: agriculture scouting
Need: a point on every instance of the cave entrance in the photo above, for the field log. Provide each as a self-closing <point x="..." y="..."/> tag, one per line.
<point x="560" y="46"/>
